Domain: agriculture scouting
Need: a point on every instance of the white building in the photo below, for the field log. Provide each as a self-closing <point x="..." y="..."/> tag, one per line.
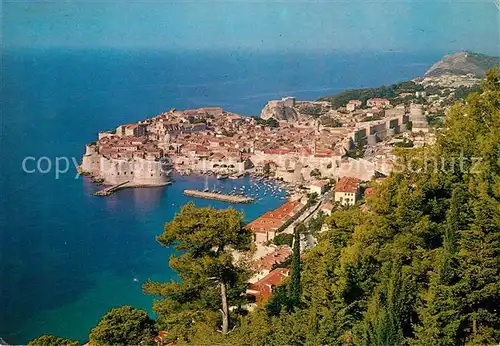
<point x="347" y="191"/>
<point x="318" y="186"/>
<point x="352" y="105"/>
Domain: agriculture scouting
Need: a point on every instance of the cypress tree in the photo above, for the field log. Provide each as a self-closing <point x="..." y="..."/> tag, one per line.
<point x="295" y="285"/>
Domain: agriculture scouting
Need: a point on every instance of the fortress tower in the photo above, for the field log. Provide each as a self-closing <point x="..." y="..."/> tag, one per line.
<point x="418" y="119"/>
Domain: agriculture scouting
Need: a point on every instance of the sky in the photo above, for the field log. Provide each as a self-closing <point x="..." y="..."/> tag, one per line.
<point x="347" y="26"/>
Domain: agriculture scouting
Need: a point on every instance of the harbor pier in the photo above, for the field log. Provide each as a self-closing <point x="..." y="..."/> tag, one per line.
<point x="218" y="196"/>
<point x="110" y="189"/>
<point x="126" y="184"/>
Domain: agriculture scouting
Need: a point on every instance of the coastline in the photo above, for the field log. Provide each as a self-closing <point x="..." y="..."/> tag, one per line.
<point x="118" y="215"/>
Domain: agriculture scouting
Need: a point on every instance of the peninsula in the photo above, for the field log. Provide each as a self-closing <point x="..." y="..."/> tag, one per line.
<point x="350" y="134"/>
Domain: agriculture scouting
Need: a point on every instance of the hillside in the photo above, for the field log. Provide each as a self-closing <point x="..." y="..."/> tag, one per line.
<point x="457" y="64"/>
<point x="463" y="63"/>
<point x="416" y="264"/>
<point x="389" y="92"/>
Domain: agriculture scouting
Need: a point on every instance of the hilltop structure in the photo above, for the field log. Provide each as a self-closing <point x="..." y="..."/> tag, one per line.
<point x="418" y="119"/>
<point x="280" y="110"/>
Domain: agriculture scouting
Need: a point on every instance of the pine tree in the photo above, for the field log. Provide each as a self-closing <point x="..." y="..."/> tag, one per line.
<point x="210" y="279"/>
<point x="51" y="340"/>
<point x="123" y="326"/>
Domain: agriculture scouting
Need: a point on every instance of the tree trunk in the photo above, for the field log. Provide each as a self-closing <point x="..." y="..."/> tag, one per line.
<point x="225" y="307"/>
<point x="474" y="325"/>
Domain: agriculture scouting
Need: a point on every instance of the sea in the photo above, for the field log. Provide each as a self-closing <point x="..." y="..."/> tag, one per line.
<point x="66" y="256"/>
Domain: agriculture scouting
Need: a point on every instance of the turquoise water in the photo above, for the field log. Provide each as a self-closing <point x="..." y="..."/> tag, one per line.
<point x="67" y="257"/>
<point x="91" y="259"/>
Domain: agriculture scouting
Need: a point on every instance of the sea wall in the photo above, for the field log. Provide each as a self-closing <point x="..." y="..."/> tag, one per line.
<point x="91" y="161"/>
<point x="113" y="171"/>
<point x="136" y="171"/>
<point x="221" y="165"/>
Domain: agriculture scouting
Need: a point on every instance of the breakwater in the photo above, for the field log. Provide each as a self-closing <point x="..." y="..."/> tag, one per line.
<point x="126" y="184"/>
<point x="109" y="190"/>
<point x="218" y="196"/>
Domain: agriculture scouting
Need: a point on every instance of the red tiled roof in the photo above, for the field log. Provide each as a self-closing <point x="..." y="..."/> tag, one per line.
<point x="276" y="257"/>
<point x="319" y="183"/>
<point x="276" y="151"/>
<point x="272" y="220"/>
<point x="376" y="99"/>
<point x="263" y="289"/>
<point x="347" y="184"/>
<point x="263" y="225"/>
<point x="327" y="206"/>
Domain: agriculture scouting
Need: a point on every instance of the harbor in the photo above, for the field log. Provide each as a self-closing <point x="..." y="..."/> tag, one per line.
<point x="218" y="196"/>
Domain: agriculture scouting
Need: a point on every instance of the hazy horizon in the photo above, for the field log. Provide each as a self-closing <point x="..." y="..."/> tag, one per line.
<point x="285" y="26"/>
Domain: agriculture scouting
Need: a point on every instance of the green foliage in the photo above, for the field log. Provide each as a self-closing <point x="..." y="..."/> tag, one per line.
<point x="195" y="120"/>
<point x="435" y="121"/>
<point x="227" y="133"/>
<point x="484" y="61"/>
<point x="312" y="110"/>
<point x="315" y="173"/>
<point x="388" y="315"/>
<point x="330" y="122"/>
<point x="295" y="286"/>
<point x="356" y="153"/>
<point x="419" y="265"/>
<point x="312" y="198"/>
<point x="462" y="92"/>
<point x="314" y="225"/>
<point x="211" y="281"/>
<point x="422" y="266"/>
<point x="52" y="340"/>
<point x="271" y="122"/>
<point x="283" y="239"/>
<point x="389" y="92"/>
<point x="287" y="296"/>
<point x="279" y="301"/>
<point x="404" y="144"/>
<point x="123" y="326"/>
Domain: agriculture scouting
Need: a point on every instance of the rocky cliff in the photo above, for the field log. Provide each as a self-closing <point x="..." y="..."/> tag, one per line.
<point x="280" y="111"/>
<point x="463" y="63"/>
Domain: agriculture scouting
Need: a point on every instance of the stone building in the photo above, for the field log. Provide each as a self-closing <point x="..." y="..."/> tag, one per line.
<point x="418" y="119"/>
<point x="347" y="191"/>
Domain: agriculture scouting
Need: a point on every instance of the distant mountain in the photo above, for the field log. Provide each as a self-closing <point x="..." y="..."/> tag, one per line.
<point x="463" y="63"/>
<point x="460" y="63"/>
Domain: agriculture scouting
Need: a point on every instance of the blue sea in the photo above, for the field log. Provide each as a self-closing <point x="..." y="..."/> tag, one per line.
<point x="67" y="257"/>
